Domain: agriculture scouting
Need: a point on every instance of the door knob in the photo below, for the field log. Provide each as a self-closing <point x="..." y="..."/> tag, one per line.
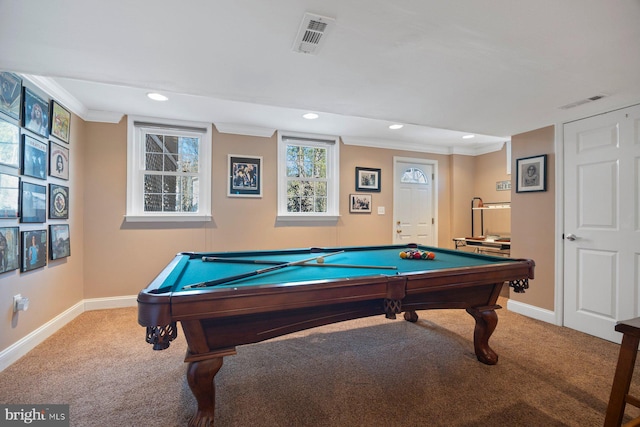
<point x="571" y="237"/>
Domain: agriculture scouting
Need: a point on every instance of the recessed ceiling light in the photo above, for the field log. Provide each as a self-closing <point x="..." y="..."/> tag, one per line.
<point x="396" y="126"/>
<point x="310" y="116"/>
<point x="468" y="136"/>
<point x="157" y="96"/>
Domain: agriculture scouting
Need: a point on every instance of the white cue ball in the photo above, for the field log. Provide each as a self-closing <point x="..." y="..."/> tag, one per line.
<point x="320" y="260"/>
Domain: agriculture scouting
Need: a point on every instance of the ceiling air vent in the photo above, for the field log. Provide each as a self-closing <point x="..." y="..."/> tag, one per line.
<point x="312" y="33"/>
<point x="583" y="101"/>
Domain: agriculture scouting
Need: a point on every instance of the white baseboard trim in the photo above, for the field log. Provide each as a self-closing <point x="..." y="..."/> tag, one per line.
<point x="21" y="347"/>
<point x="532" y="311"/>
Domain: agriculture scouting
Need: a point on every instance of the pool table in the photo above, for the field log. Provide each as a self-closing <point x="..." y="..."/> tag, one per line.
<point x="227" y="299"/>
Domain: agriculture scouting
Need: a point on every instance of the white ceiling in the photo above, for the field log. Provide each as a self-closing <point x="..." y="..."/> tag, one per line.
<point x="494" y="68"/>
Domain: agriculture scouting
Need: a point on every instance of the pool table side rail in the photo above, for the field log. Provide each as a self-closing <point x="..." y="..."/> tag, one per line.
<point x="163" y="309"/>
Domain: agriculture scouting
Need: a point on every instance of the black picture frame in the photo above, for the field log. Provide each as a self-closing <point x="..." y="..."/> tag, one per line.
<point x="9" y="144"/>
<point x="9" y="249"/>
<point x="33" y="202"/>
<point x="360" y="203"/>
<point x="245" y="176"/>
<point x="35" y="113"/>
<point x="58" y="161"/>
<point x="58" y="201"/>
<point x="531" y="174"/>
<point x="59" y="241"/>
<point x="60" y="122"/>
<point x="34" y="250"/>
<point x="368" y="179"/>
<point x="9" y="196"/>
<point x="34" y="157"/>
<point x="10" y="94"/>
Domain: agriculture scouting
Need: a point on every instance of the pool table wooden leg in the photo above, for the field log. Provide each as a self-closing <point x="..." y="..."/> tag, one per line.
<point x="486" y="322"/>
<point x="201" y="377"/>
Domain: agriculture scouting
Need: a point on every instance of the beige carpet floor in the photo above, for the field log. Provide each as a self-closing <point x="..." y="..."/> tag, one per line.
<point x="366" y="372"/>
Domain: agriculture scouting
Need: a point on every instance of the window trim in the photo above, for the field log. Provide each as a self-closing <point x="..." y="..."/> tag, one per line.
<point x="333" y="179"/>
<point x="135" y="170"/>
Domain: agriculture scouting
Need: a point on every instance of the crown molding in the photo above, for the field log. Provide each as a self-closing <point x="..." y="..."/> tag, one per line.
<point x="476" y="150"/>
<point x="59" y="93"/>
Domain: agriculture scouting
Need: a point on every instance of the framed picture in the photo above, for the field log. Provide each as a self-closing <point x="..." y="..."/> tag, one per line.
<point x="60" y="121"/>
<point x="33" y="202"/>
<point x="9" y="144"/>
<point x="59" y="242"/>
<point x="245" y="176"/>
<point x="34" y="157"/>
<point x="58" y="161"/>
<point x="360" y="203"/>
<point x="531" y="174"/>
<point x="9" y="196"/>
<point x="34" y="249"/>
<point x="35" y="114"/>
<point x="367" y="179"/>
<point x="10" y="94"/>
<point x="58" y="202"/>
<point x="9" y="249"/>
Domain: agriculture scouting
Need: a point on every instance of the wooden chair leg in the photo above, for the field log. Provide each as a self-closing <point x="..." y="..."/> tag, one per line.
<point x="622" y="379"/>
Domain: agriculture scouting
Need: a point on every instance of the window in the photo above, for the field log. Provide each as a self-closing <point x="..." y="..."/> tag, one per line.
<point x="308" y="177"/>
<point x="169" y="171"/>
<point x="414" y="176"/>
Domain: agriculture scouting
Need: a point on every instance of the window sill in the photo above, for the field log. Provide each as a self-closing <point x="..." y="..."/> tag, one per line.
<point x="167" y="218"/>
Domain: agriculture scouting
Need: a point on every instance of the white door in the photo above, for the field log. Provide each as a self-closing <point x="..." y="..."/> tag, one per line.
<point x="602" y="229"/>
<point x="414" y="206"/>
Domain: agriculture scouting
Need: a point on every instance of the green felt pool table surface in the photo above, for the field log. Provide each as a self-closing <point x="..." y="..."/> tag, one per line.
<point x="189" y="269"/>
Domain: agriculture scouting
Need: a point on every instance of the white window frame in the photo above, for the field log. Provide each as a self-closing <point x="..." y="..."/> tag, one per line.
<point x="332" y="144"/>
<point x="136" y="127"/>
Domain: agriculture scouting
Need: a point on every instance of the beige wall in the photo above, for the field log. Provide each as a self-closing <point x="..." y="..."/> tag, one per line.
<point x="59" y="285"/>
<point x="533" y="219"/>
<point x="112" y="258"/>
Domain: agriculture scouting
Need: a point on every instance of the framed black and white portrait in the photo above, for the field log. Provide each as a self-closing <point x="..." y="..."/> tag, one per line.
<point x="360" y="203"/>
<point x="531" y="174"/>
<point x="245" y="176"/>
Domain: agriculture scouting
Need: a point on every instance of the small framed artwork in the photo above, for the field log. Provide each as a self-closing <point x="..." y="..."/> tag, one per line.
<point x="10" y="94"/>
<point x="9" y="249"/>
<point x="60" y="246"/>
<point x="360" y="203"/>
<point x="58" y="202"/>
<point x="33" y="202"/>
<point x="60" y="122"/>
<point x="34" y="249"/>
<point x="367" y="179"/>
<point x="531" y="174"/>
<point x="9" y="196"/>
<point x="34" y="157"/>
<point x="9" y="144"/>
<point x="245" y="176"/>
<point x="35" y="114"/>
<point x="58" y="161"/>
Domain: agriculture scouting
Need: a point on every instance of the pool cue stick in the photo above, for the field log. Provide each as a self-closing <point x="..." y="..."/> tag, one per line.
<point x="271" y="262"/>
<point x="256" y="272"/>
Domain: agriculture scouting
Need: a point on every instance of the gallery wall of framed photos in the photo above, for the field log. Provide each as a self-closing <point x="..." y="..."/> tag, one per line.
<point x="34" y="175"/>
